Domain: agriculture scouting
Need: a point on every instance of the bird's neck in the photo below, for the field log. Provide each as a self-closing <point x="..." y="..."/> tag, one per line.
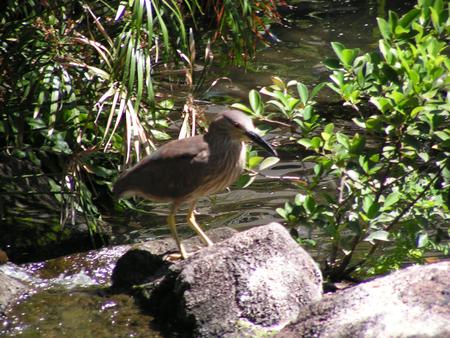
<point x="223" y="144"/>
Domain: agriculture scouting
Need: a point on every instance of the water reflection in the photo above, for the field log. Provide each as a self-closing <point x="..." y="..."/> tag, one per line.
<point x="304" y="42"/>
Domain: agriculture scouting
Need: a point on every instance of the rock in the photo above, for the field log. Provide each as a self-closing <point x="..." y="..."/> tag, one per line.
<point x="253" y="283"/>
<point x="9" y="289"/>
<point x="413" y="302"/>
<point x="140" y="263"/>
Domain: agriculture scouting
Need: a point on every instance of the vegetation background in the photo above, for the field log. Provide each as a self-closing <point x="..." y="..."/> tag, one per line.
<point x="88" y="88"/>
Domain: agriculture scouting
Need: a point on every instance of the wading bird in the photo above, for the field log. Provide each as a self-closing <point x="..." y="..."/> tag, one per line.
<point x="182" y="171"/>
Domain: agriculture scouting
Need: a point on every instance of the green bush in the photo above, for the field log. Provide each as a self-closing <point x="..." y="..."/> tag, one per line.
<point x="392" y="199"/>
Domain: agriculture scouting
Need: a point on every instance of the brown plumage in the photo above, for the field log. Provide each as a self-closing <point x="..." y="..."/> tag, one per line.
<point x="184" y="170"/>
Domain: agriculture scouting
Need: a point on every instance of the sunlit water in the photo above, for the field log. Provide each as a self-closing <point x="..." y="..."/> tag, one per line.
<point x="75" y="304"/>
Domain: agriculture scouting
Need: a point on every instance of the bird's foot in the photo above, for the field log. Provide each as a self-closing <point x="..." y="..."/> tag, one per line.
<point x="175" y="257"/>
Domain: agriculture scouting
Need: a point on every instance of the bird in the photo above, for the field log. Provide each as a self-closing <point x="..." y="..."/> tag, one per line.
<point x="182" y="171"/>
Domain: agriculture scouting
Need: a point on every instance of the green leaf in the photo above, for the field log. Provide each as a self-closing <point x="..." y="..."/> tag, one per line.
<point x="391" y="200"/>
<point x="160" y="135"/>
<point x="424" y="156"/>
<point x="422" y="239"/>
<point x="436" y="18"/>
<point x="357" y="144"/>
<point x="242" y="107"/>
<point x="393" y="20"/>
<point x="338" y="48"/>
<point x="316" y="90"/>
<point x="359" y="122"/>
<point x="406" y="19"/>
<point x="318" y="169"/>
<point x="302" y="92"/>
<point x="379" y="235"/>
<point x="383" y="104"/>
<point x="385" y="49"/>
<point x="370" y="207"/>
<point x="277" y="81"/>
<point x="443" y="135"/>
<point x="310" y="204"/>
<point x="343" y="139"/>
<point x="256" y="102"/>
<point x="316" y="142"/>
<point x="348" y="56"/>
<point x="384" y="28"/>
<point x="329" y="128"/>
<point x="282" y="212"/>
<point x="307" y="113"/>
<point x="364" y="164"/>
<point x="254" y="161"/>
<point x="374" y="123"/>
<point x="306" y="142"/>
<point x="268" y="162"/>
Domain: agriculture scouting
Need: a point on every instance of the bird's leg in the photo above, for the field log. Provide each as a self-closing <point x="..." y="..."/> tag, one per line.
<point x="173" y="227"/>
<point x="193" y="224"/>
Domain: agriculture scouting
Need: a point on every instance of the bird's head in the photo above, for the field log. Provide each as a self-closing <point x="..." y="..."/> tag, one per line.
<point x="239" y="125"/>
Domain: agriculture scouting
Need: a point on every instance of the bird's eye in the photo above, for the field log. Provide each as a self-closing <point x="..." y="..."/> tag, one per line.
<point x="237" y="125"/>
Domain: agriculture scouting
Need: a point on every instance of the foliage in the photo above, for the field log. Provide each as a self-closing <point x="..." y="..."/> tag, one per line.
<point x="80" y="81"/>
<point x="238" y="22"/>
<point x="392" y="199"/>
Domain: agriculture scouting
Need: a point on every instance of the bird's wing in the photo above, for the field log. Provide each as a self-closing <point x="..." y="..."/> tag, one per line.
<point x="174" y="171"/>
<point x="193" y="148"/>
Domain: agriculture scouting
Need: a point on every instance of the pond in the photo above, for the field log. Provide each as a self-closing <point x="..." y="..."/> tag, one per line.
<point x="300" y="44"/>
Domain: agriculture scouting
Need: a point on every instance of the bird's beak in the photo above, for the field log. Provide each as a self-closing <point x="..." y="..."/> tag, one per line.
<point x="261" y="142"/>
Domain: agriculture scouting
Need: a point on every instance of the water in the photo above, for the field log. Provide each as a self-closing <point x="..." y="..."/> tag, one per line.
<point x="81" y="307"/>
<point x="83" y="312"/>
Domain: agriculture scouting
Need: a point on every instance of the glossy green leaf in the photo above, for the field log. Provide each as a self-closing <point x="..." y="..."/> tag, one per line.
<point x="302" y="92"/>
<point x="384" y="28"/>
<point x="343" y="139"/>
<point x="242" y="107"/>
<point x="338" y="48"/>
<point x="256" y="102"/>
<point x="254" y="161"/>
<point x="391" y="200"/>
<point x="348" y="56"/>
<point x="268" y="162"/>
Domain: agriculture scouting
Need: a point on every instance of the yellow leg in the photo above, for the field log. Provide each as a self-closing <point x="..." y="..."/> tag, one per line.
<point x="173" y="227"/>
<point x="193" y="224"/>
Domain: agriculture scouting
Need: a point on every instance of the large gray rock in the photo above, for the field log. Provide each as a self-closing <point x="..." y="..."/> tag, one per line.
<point x="253" y="283"/>
<point x="414" y="302"/>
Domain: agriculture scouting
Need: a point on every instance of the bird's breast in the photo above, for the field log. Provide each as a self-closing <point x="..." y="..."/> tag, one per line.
<point x="224" y="167"/>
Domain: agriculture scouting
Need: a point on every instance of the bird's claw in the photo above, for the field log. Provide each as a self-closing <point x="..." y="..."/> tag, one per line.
<point x="175" y="257"/>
